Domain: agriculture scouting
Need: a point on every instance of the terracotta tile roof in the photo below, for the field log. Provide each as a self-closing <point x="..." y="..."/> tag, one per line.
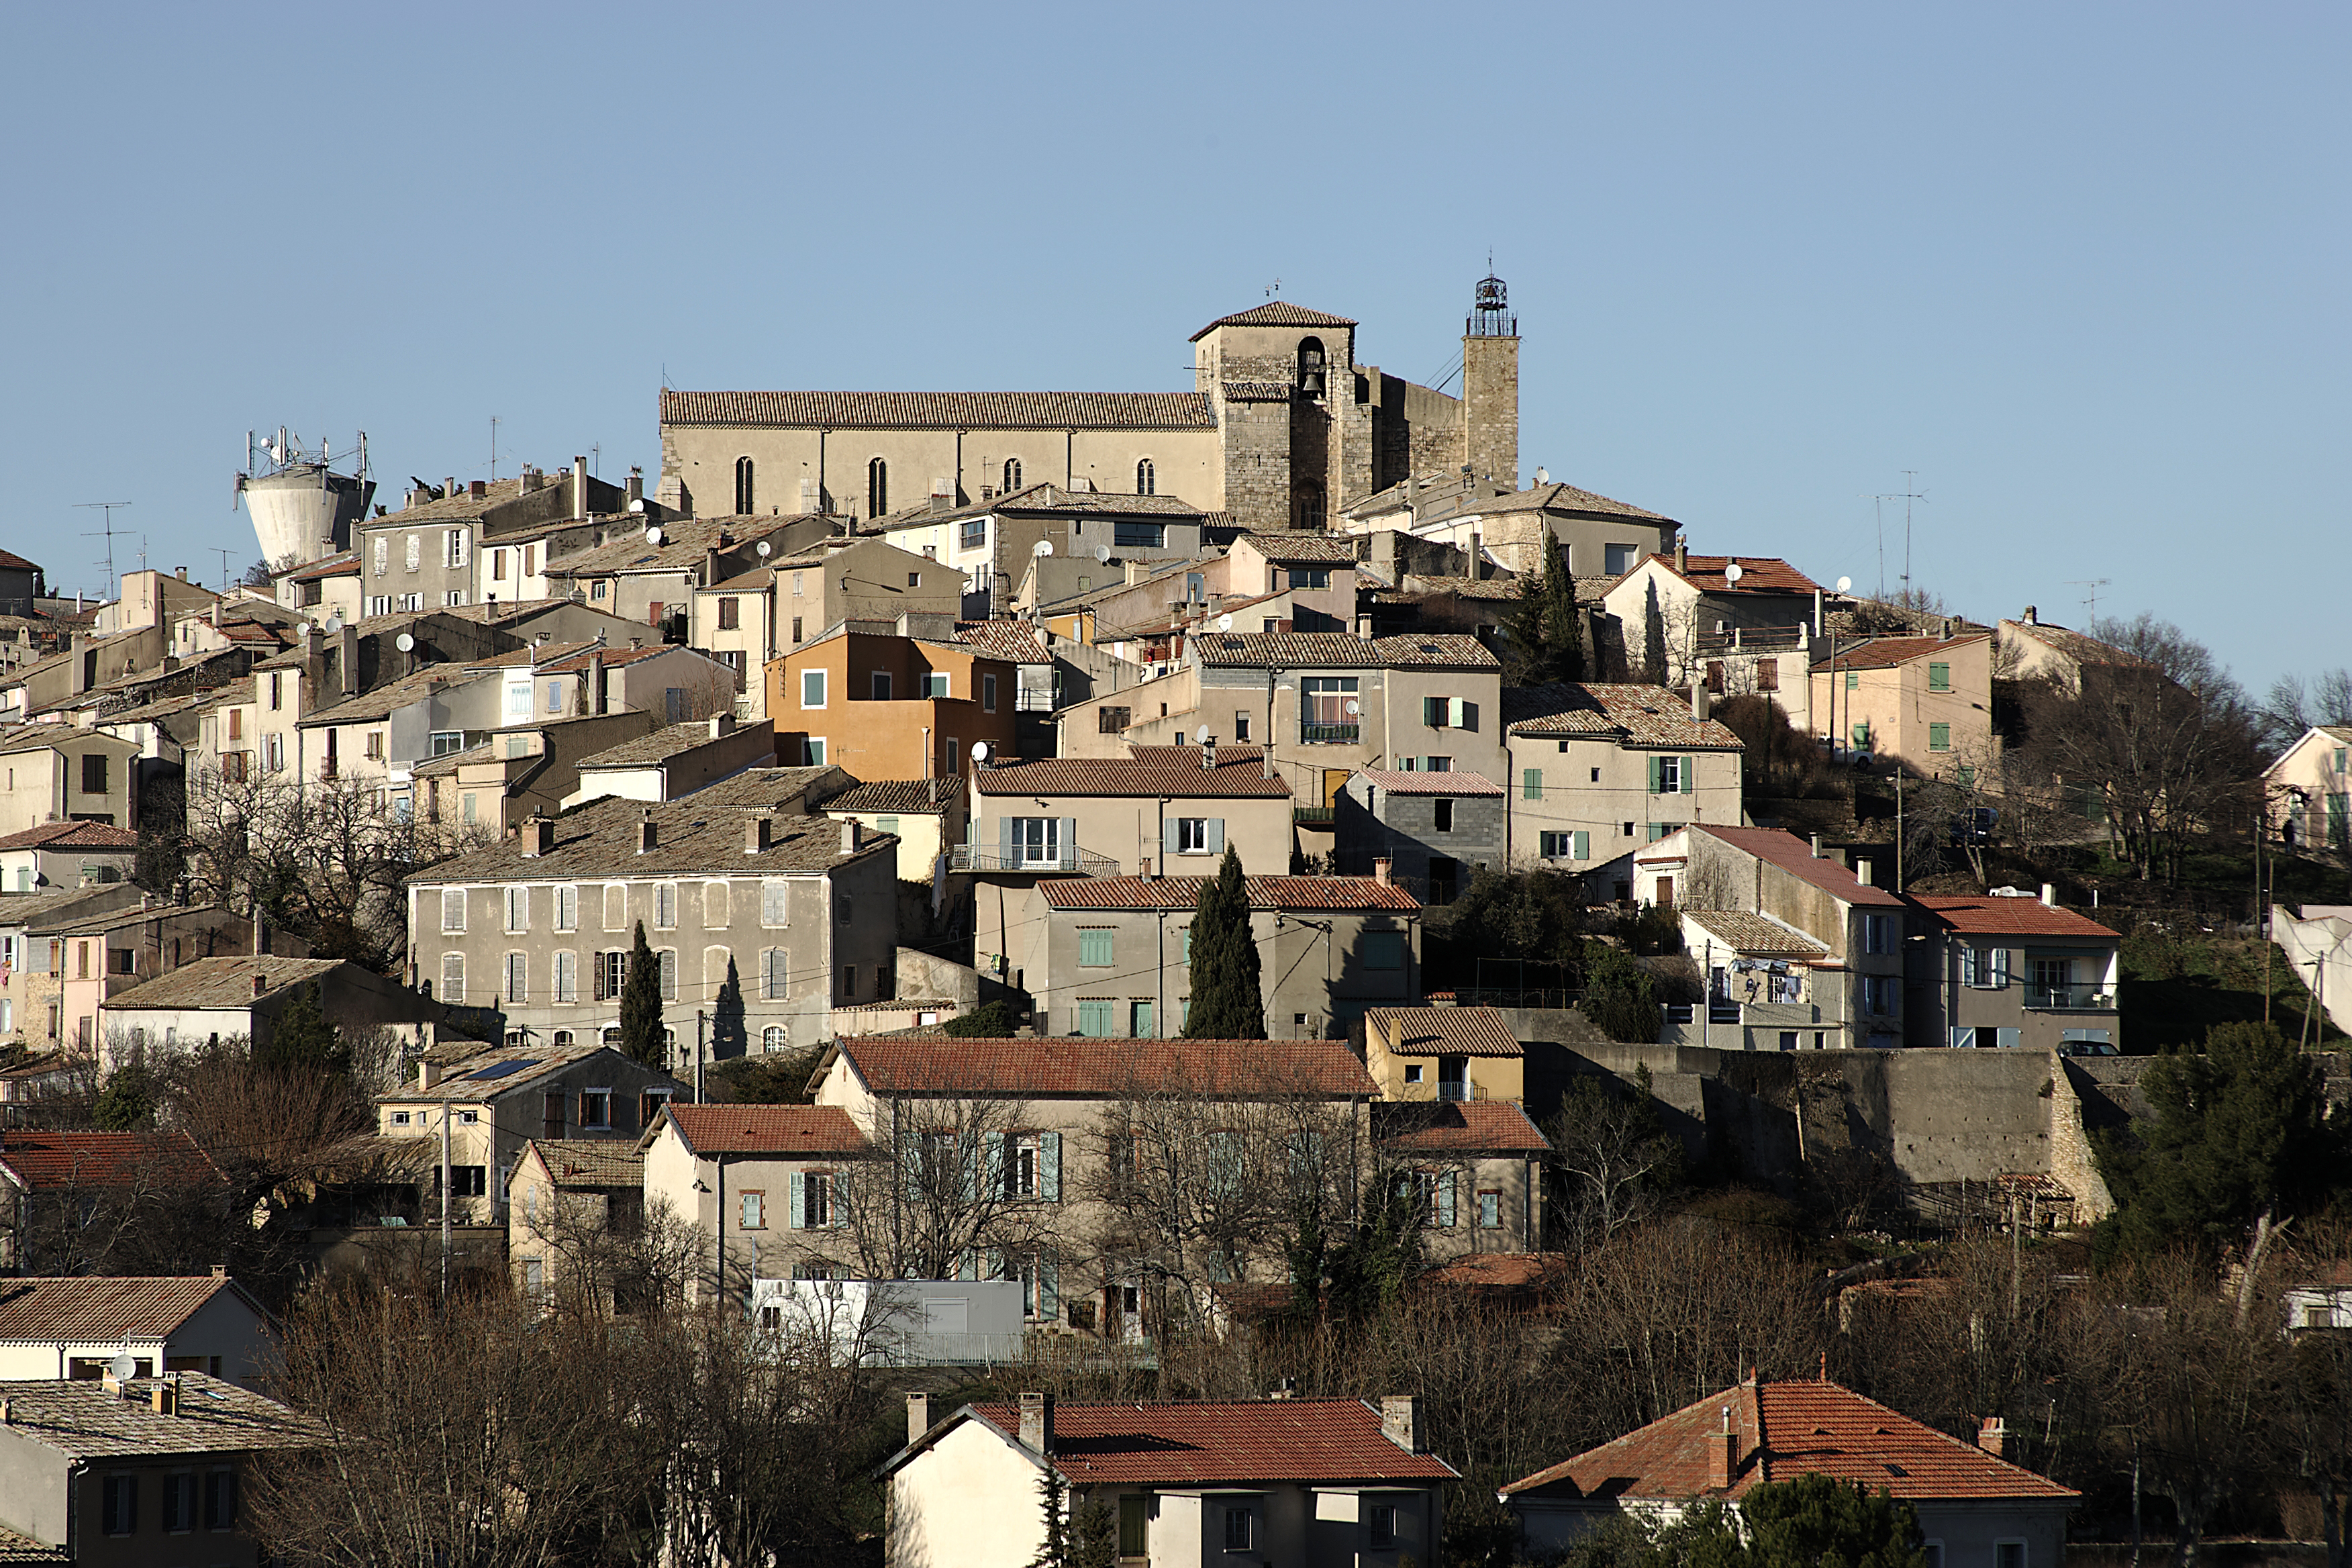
<point x="1499" y="1270"/>
<point x="1885" y="653"/>
<point x="1988" y="916"/>
<point x="64" y="1160"/>
<point x="1339" y="650"/>
<point x="1641" y="715"/>
<point x="1068" y="1067"/>
<point x="1257" y="391"/>
<point x="13" y="561"/>
<point x="1239" y="775"/>
<point x="149" y="1307"/>
<point x="222" y="981"/>
<point x="896" y="797"/>
<point x="62" y="835"/>
<point x="1305" y="548"/>
<point x="1787" y="1430"/>
<point x="1457" y="1127"/>
<point x="90" y="1421"/>
<point x="1274" y="313"/>
<point x="346" y="564"/>
<point x="1758" y="574"/>
<point x="1222" y="1442"/>
<point x="1022" y="642"/>
<point x="1794" y="856"/>
<point x="1751" y="933"/>
<point x="1442" y="1031"/>
<point x="1448" y="783"/>
<point x="1298" y="894"/>
<point x="16" y="1548"/>
<point x="782" y="1130"/>
<point x="942" y="410"/>
<point x="591" y="1161"/>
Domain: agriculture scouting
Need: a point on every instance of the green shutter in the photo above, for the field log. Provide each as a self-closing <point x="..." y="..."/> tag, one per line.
<point x="991" y="1146"/>
<point x="1690" y="776"/>
<point x="1531" y="783"/>
<point x="1939" y="737"/>
<point x="1940" y="678"/>
<point x="1853" y="680"/>
<point x="1654" y="775"/>
<point x="1584" y="845"/>
<point x="796" y="1206"/>
<point x="1049" y="1288"/>
<point x="1094" y="950"/>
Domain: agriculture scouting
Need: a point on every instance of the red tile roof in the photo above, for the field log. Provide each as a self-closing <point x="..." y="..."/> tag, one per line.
<point x="1448" y="783"/>
<point x="1291" y="893"/>
<point x="62" y="835"/>
<point x="1153" y="770"/>
<point x="66" y="1160"/>
<point x="1787" y="1430"/>
<point x="1796" y="857"/>
<point x="779" y="1129"/>
<point x="1222" y="1441"/>
<point x="1106" y="1069"/>
<point x="1442" y="1031"/>
<point x="1990" y="915"/>
<point x="1758" y="574"/>
<point x="1499" y="1270"/>
<point x="1458" y="1127"/>
<point x="50" y="1308"/>
<point x="1885" y="653"/>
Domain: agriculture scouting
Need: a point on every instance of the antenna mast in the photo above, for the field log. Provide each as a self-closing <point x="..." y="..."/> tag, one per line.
<point x="106" y="532"/>
<point x="1909" y="492"/>
<point x="2090" y="599"/>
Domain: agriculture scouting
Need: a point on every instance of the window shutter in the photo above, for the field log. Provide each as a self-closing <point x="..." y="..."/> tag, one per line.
<point x="1433" y="711"/>
<point x="1963" y="1038"/>
<point x="992" y="1264"/>
<point x="1049" y="1288"/>
<point x="967" y="1267"/>
<point x="1049" y="1166"/>
<point x="1445" y="1200"/>
<point x="796" y="1206"/>
<point x="1690" y="776"/>
<point x="1967" y="966"/>
<point x="1583" y="841"/>
<point x="1654" y="775"/>
<point x="1999" y="967"/>
<point x="1465" y="714"/>
<point x="1531" y="783"/>
<point x="1069" y="841"/>
<point x="993" y="1156"/>
<point x="1216" y="835"/>
<point x="1009" y="833"/>
<point x="1168" y="831"/>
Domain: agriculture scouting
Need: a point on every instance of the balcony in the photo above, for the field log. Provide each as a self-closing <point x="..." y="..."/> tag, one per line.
<point x="1313" y="816"/>
<point x="1330" y="734"/>
<point x="2068" y="999"/>
<point x="1069" y="863"/>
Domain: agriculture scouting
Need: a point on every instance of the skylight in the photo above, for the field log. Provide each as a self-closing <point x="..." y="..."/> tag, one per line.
<point x="501" y="1069"/>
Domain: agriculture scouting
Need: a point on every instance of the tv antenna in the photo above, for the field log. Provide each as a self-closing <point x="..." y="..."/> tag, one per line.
<point x="494" y="448"/>
<point x="2090" y="599"/>
<point x="223" y="555"/>
<point x="106" y="532"/>
<point x="1909" y="492"/>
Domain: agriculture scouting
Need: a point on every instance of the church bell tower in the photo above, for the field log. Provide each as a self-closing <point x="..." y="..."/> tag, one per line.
<point x="1490" y="385"/>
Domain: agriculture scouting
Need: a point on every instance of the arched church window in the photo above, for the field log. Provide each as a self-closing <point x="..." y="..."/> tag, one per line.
<point x="1310" y="366"/>
<point x="744" y="497"/>
<point x="1145" y="479"/>
<point x="878" y="487"/>
<point x="1309" y="504"/>
<point x="1012" y="475"/>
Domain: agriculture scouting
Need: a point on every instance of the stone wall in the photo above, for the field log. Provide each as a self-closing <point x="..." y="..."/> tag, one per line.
<point x="1490" y="392"/>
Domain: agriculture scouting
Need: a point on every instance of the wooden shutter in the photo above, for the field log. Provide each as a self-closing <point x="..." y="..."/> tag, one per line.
<point x="1049" y="1288"/>
<point x="796" y="1204"/>
<point x="1216" y="835"/>
<point x="1690" y="776"/>
<point x="1583" y="841"/>
<point x="1653" y="775"/>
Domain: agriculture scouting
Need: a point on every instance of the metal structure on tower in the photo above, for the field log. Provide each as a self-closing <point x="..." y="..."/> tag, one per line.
<point x="1490" y="315"/>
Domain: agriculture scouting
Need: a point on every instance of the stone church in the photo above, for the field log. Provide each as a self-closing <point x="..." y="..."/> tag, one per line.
<point x="1282" y="429"/>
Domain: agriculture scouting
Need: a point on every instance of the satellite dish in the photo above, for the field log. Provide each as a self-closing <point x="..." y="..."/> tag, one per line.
<point x="1845" y="585"/>
<point x="639" y="504"/>
<point x="1733" y="573"/>
<point x="1226" y="622"/>
<point x="122" y="1368"/>
<point x="1102" y="553"/>
<point x="1042" y="548"/>
<point x="979" y="750"/>
<point x="1353" y="707"/>
<point x="334" y="622"/>
<point x="765" y="549"/>
<point x="1202" y="734"/>
<point x="652" y="533"/>
<point x="405" y="643"/>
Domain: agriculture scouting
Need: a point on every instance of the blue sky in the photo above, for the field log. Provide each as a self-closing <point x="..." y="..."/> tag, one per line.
<point x="2080" y="267"/>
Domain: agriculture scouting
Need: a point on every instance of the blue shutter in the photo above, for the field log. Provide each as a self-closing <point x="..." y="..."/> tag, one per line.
<point x="1216" y="835"/>
<point x="796" y="1208"/>
<point x="992" y="1151"/>
<point x="1049" y="1166"/>
<point x="1049" y="1288"/>
<point x="1168" y="831"/>
<point x="1999" y="968"/>
<point x="1584" y="845"/>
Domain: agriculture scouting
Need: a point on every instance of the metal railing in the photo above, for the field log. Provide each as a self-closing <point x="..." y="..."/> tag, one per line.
<point x="1330" y="734"/>
<point x="2068" y="999"/>
<point x="1515" y="996"/>
<point x="1073" y="862"/>
<point x="1313" y="816"/>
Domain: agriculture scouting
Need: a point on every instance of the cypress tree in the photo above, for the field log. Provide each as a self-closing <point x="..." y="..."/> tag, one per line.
<point x="1653" y="636"/>
<point x="1225" y="1001"/>
<point x="303" y="1040"/>
<point x="1545" y="637"/>
<point x="641" y="1005"/>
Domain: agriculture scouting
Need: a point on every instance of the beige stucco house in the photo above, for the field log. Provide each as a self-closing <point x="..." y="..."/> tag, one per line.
<point x="1475" y="1166"/>
<point x="1594" y="535"/>
<point x="2308" y="791"/>
<point x="1160" y="806"/>
<point x="761" y="1184"/>
<point x="61" y="773"/>
<point x="1444" y="1053"/>
<point x="1689" y="598"/>
<point x="1924" y="702"/>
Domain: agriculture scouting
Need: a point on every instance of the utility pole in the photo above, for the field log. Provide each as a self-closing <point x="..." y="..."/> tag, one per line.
<point x="106" y="532"/>
<point x="223" y="555"/>
<point x="445" y="1202"/>
<point x="699" y="1019"/>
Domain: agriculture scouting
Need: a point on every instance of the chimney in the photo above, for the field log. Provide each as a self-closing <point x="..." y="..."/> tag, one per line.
<point x="1144" y="869"/>
<point x="637" y="489"/>
<point x="758" y="834"/>
<point x="918" y="1417"/>
<point x="1037" y="1422"/>
<point x="722" y="724"/>
<point x="2031" y="616"/>
<point x="2050" y="895"/>
<point x="428" y="1075"/>
<point x="449" y="487"/>
<point x="580" y="486"/>
<point x="1817" y="846"/>
<point x="649" y="836"/>
<point x="1209" y="752"/>
<point x="220" y="1270"/>
<point x="476" y="489"/>
<point x="1861" y="870"/>
<point x="1722" y="1455"/>
<point x="538" y="837"/>
<point x="596" y="681"/>
<point x="853" y="835"/>
<point x="1682" y="556"/>
<point x="1992" y="1436"/>
<point x="1698" y="697"/>
<point x="1399" y="1421"/>
<point x="260" y="984"/>
<point x="183" y="574"/>
<point x="166" y="1398"/>
<point x="1380" y="870"/>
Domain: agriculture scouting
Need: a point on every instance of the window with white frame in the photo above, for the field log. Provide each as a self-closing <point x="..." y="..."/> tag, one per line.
<point x="518" y="909"/>
<point x="596" y="1107"/>
<point x="612" y="972"/>
<point x="453" y="977"/>
<point x="665" y="906"/>
<point x="565" y="977"/>
<point x="457" y="547"/>
<point x="518" y="986"/>
<point x="812" y="687"/>
<point x="567" y="907"/>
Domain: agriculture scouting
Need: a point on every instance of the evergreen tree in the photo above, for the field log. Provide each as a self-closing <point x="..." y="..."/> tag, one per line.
<point x="1226" y="1005"/>
<point x="641" y="1006"/>
<point x="304" y="1041"/>
<point x="1055" y="1552"/>
<point x="1620" y="997"/>
<point x="1653" y="636"/>
<point x="1546" y="637"/>
<point x="1819" y="1521"/>
<point x="128" y="1101"/>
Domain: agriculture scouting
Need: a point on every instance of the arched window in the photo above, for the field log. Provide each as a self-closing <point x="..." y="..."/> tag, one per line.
<point x="1309" y="504"/>
<point x="744" y="498"/>
<point x="1011" y="474"/>
<point x="774" y="1038"/>
<point x="1144" y="478"/>
<point x="1310" y="366"/>
<point x="878" y="487"/>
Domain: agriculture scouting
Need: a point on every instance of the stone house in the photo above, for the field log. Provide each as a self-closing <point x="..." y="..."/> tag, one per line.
<point x="1584" y="754"/>
<point x="1596" y="537"/>
<point x="1924" y="702"/>
<point x="759" y="914"/>
<point x="2307" y="793"/>
<point x="1321" y="1483"/>
<point x="787" y="600"/>
<point x="61" y="855"/>
<point x="1317" y="571"/>
<point x="1692" y="597"/>
<point x="1976" y="1510"/>
<point x="91" y="958"/>
<point x="566" y="1197"/>
<point x="675" y="760"/>
<point x="62" y="773"/>
<point x="2015" y="972"/>
<point x="1112" y="956"/>
<point x="1852" y="987"/>
<point x="489" y="539"/>
<point x="491" y="1103"/>
<point x="209" y="1000"/>
<point x="72" y="1327"/>
<point x="1477" y="1168"/>
<point x="649" y="571"/>
<point x="761" y="1184"/>
<point x="1433" y="829"/>
<point x="995" y="543"/>
<point x="29" y="981"/>
<point x="1120" y="816"/>
<point x="1443" y="1054"/>
<point x="886" y="705"/>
